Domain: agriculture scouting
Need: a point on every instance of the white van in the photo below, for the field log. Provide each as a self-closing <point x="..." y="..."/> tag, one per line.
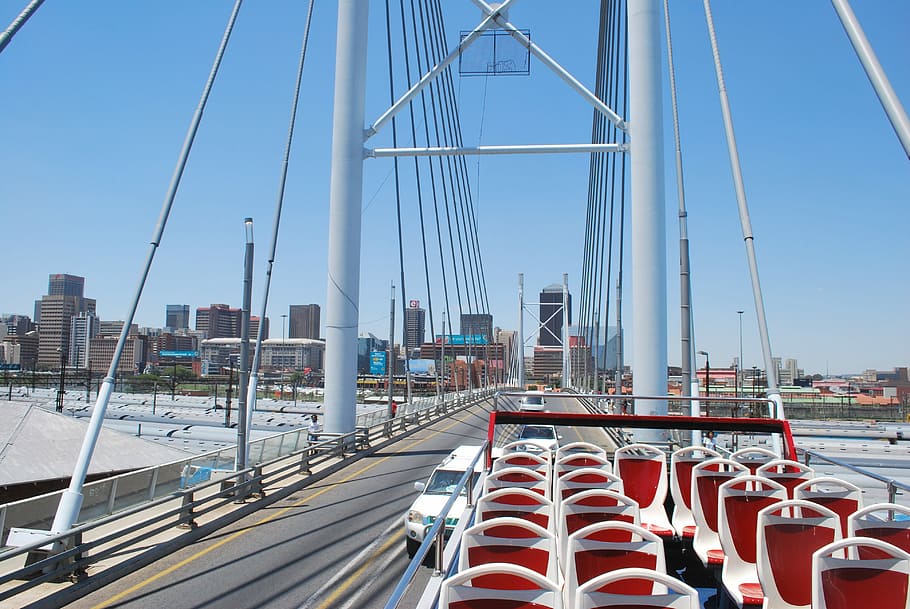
<point x="533" y="401"/>
<point x="436" y="492"/>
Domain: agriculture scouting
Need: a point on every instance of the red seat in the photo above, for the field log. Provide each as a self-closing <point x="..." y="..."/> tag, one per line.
<point x="833" y="493"/>
<point x="523" y="459"/>
<point x="643" y="469"/>
<point x="499" y="586"/>
<point x="886" y="521"/>
<point x="517" y="477"/>
<point x="573" y="461"/>
<point x="753" y="457"/>
<point x="681" y="463"/>
<point x="706" y="480"/>
<point x="789" y="473"/>
<point x="593" y="551"/>
<point x="590" y="507"/>
<point x="789" y="533"/>
<point x="585" y="479"/>
<point x="580" y="448"/>
<point x="516" y="503"/>
<point x="843" y="579"/>
<point x="510" y="540"/>
<point x="613" y="590"/>
<point x="739" y="501"/>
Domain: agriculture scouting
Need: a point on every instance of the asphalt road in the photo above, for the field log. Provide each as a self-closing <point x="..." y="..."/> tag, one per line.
<point x="338" y="544"/>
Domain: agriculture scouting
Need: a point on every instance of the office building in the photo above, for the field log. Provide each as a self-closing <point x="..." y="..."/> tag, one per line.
<point x="414" y="326"/>
<point x="54" y="314"/>
<point x="551" y="316"/>
<point x="61" y="284"/>
<point x="477" y="324"/>
<point x="83" y="328"/>
<point x="218" y="321"/>
<point x="304" y="321"/>
<point x="177" y="317"/>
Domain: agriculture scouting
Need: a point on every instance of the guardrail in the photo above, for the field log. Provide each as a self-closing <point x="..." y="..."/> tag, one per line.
<point x="892" y="486"/>
<point x="471" y="482"/>
<point x="112" y="515"/>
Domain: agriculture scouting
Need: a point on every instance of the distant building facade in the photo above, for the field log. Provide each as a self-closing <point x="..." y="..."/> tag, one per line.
<point x="277" y="354"/>
<point x="223" y="321"/>
<point x="304" y="321"/>
<point x="83" y="328"/>
<point x="414" y="326"/>
<point x="177" y="317"/>
<point x="54" y="314"/>
<point x="551" y="316"/>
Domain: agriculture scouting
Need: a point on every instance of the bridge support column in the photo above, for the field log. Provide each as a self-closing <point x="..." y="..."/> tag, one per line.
<point x="346" y="193"/>
<point x="649" y="248"/>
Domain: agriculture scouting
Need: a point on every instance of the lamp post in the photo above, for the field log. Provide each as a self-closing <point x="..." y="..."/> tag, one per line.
<point x="283" y="319"/>
<point x="707" y="378"/>
<point x="244" y="371"/>
<point x="739" y="365"/>
<point x="61" y="391"/>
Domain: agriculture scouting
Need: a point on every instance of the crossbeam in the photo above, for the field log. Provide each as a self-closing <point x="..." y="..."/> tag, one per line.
<point x="489" y="150"/>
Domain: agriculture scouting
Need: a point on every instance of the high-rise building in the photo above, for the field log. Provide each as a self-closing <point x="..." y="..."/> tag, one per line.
<point x="54" y="313"/>
<point x="218" y="321"/>
<point x="221" y="321"/>
<point x="61" y="284"/>
<point x="304" y="321"/>
<point x="477" y="324"/>
<point x="83" y="328"/>
<point x="177" y="317"/>
<point x="551" y="316"/>
<point x="414" y="326"/>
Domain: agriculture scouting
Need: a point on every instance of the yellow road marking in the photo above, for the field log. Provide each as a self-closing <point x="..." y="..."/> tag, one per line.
<point x="343" y="586"/>
<point x="232" y="537"/>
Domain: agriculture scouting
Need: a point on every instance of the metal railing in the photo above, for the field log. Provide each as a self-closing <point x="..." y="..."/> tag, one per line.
<point x="892" y="486"/>
<point x="435" y="537"/>
<point x="143" y="504"/>
<point x="111" y="495"/>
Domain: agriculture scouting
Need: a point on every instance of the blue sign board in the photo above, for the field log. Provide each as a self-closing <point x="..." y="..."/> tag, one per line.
<point x="190" y="354"/>
<point x="463" y="339"/>
<point x="10" y="367"/>
<point x="377" y="362"/>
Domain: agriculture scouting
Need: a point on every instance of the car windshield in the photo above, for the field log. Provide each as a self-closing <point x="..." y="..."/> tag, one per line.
<point x="532" y="399"/>
<point x="443" y="482"/>
<point x="538" y="432"/>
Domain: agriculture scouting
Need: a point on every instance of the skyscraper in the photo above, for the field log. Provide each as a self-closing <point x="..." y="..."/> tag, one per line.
<point x="414" y="326"/>
<point x="551" y="316"/>
<point x="61" y="284"/>
<point x="54" y="313"/>
<point x="83" y="328"/>
<point x="304" y="321"/>
<point x="177" y="317"/>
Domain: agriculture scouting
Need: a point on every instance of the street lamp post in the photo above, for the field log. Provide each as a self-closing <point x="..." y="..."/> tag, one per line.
<point x="739" y="365"/>
<point x="707" y="378"/>
<point x="62" y="390"/>
<point x="283" y="319"/>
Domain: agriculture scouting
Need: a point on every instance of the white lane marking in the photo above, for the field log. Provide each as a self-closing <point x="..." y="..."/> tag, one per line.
<point x="352" y="564"/>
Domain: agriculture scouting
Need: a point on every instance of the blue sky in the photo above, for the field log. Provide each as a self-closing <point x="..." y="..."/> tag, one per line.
<point x="96" y="97"/>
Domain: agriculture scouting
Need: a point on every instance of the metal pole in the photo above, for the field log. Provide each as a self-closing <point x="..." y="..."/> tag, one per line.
<point x="617" y="379"/>
<point x="566" y="363"/>
<point x="739" y="382"/>
<point x="243" y="416"/>
<point x="389" y="364"/>
<point x="71" y="499"/>
<point x="18" y="22"/>
<point x="443" y="355"/>
<point x="521" y="330"/>
<point x="649" y="259"/>
<point x="62" y="390"/>
<point x="886" y="95"/>
<point x="745" y="222"/>
<point x="346" y="193"/>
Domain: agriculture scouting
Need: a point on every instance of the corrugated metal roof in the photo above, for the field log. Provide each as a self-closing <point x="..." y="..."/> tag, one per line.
<point x="36" y="444"/>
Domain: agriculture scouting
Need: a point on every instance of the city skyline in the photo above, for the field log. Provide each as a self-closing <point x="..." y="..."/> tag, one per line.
<point x="82" y="147"/>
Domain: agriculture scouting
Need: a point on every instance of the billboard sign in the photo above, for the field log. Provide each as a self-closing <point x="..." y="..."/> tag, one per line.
<point x="190" y="354"/>
<point x="463" y="339"/>
<point x="377" y="362"/>
<point x="415" y="304"/>
<point x="422" y="366"/>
